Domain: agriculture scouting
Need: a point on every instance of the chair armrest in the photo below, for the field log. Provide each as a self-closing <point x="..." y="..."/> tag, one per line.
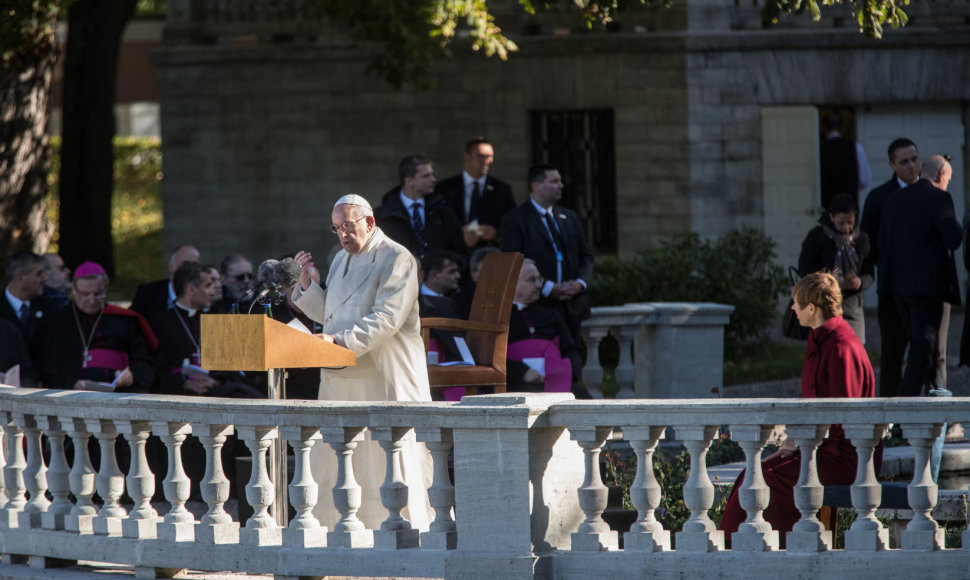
<point x="460" y="325"/>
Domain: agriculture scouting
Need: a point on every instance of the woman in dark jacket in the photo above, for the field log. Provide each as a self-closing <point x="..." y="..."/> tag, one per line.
<point x="836" y="244"/>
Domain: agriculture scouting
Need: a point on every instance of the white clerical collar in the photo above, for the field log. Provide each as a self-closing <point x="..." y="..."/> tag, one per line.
<point x="190" y="311"/>
<point x="520" y="305"/>
<point x="425" y="291"/>
<point x="14" y="301"/>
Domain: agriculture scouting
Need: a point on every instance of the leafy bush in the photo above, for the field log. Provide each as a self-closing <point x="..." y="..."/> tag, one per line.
<point x="736" y="269"/>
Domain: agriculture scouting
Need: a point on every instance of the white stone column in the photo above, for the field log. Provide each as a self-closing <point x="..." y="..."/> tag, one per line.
<point x="922" y="533"/>
<point x="647" y="534"/>
<point x="396" y="532"/>
<point x="304" y="530"/>
<point x="81" y="478"/>
<point x="110" y="481"/>
<point x="58" y="482"/>
<point x="593" y="535"/>
<point x="179" y="523"/>
<point x="261" y="528"/>
<point x="867" y="533"/>
<point x="593" y="370"/>
<point x="754" y="534"/>
<point x="808" y="534"/>
<point x="3" y="461"/>
<point x="35" y="475"/>
<point x="142" y="521"/>
<point x="216" y="526"/>
<point x="626" y="371"/>
<point x="13" y="474"/>
<point x="442" y="533"/>
<point x="349" y="531"/>
<point x="700" y="533"/>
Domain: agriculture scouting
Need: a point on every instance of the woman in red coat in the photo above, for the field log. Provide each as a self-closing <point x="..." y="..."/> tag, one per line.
<point x="836" y="365"/>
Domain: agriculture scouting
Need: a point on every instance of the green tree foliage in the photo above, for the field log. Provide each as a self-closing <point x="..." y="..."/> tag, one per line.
<point x="26" y="31"/>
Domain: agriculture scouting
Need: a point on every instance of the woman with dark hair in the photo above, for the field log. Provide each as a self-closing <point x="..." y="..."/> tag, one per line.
<point x="836" y="365"/>
<point x="836" y="244"/>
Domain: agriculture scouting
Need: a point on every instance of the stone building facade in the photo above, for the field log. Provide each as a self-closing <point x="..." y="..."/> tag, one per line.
<point x="694" y="118"/>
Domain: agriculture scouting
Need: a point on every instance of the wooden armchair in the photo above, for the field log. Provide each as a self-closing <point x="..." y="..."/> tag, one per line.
<point x="486" y="330"/>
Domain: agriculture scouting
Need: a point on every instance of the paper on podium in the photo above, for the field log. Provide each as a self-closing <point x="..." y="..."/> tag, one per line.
<point x="11" y="377"/>
<point x="296" y="324"/>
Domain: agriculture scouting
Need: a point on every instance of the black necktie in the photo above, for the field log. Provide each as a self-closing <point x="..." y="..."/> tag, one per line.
<point x="418" y="225"/>
<point x="24" y="313"/>
<point x="476" y="200"/>
<point x="554" y="231"/>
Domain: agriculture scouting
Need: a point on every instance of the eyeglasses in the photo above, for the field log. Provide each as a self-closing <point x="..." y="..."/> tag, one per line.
<point x="243" y="276"/>
<point x="346" y="227"/>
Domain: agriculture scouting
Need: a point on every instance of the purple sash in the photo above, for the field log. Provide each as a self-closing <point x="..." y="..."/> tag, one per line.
<point x="559" y="371"/>
<point x="103" y="358"/>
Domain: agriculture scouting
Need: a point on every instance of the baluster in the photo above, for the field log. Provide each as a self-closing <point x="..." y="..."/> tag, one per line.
<point x="179" y="523"/>
<point x="647" y="534"/>
<point x="626" y="371"/>
<point x="442" y="533"/>
<point x="3" y="463"/>
<point x="261" y="528"/>
<point x="58" y="473"/>
<point x="142" y="521"/>
<point x="216" y="526"/>
<point x="593" y="535"/>
<point x="922" y="533"/>
<point x="13" y="474"/>
<point x="396" y="532"/>
<point x="82" y="478"/>
<point x="867" y="533"/>
<point x="808" y="533"/>
<point x="304" y="530"/>
<point x="35" y="475"/>
<point x="699" y="534"/>
<point x="110" y="481"/>
<point x="593" y="371"/>
<point x="349" y="531"/>
<point x="754" y="534"/>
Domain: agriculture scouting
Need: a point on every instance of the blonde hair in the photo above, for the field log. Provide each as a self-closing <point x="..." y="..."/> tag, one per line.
<point x="822" y="290"/>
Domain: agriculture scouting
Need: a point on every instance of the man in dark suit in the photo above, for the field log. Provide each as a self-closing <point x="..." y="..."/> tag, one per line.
<point x="414" y="216"/>
<point x="918" y="234"/>
<point x="441" y="275"/>
<point x="553" y="237"/>
<point x="153" y="297"/>
<point x="478" y="199"/>
<point x="24" y="307"/>
<point x="904" y="161"/>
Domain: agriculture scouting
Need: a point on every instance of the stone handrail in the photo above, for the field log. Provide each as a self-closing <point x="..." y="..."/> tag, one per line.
<point x="667" y="349"/>
<point x="527" y="498"/>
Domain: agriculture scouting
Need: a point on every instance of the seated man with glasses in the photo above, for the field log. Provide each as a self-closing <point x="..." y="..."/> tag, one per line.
<point x="542" y="355"/>
<point x="237" y="278"/>
<point x="92" y="345"/>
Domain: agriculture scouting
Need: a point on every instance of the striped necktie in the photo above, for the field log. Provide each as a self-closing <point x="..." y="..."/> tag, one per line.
<point x="418" y="225"/>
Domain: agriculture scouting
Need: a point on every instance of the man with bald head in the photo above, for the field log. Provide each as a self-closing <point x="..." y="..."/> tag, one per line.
<point x="153" y="297"/>
<point x="369" y="305"/>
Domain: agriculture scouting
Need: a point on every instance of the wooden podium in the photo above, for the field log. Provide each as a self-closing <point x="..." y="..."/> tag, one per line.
<point x="255" y="342"/>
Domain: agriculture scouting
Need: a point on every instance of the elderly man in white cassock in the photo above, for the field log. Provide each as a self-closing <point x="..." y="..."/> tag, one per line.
<point x="369" y="305"/>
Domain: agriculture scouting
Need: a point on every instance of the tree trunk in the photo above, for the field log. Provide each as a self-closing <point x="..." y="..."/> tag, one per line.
<point x="87" y="150"/>
<point x="24" y="151"/>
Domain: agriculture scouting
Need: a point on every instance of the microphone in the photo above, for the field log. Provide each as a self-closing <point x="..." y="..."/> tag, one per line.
<point x="258" y="292"/>
<point x="281" y="275"/>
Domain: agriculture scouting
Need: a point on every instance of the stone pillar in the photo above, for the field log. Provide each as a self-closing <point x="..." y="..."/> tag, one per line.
<point x="647" y="534"/>
<point x="35" y="475"/>
<point x="142" y="521"/>
<point x="304" y="530"/>
<point x="754" y="534"/>
<point x="867" y="533"/>
<point x="349" y="531"/>
<point x="82" y="479"/>
<point x="442" y="534"/>
<point x="58" y="475"/>
<point x="700" y="534"/>
<point x="594" y="534"/>
<point x="261" y="529"/>
<point x="13" y="474"/>
<point x="110" y="481"/>
<point x="922" y="533"/>
<point x="626" y="371"/>
<point x="178" y="524"/>
<point x="808" y="534"/>
<point x="593" y="371"/>
<point x="216" y="526"/>
<point x="396" y="532"/>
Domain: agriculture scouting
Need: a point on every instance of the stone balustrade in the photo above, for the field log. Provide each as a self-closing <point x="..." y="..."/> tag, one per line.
<point x="526" y="501"/>
<point x="668" y="350"/>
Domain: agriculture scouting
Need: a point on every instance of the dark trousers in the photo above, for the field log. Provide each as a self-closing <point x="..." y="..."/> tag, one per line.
<point x="922" y="317"/>
<point x="893" y="336"/>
